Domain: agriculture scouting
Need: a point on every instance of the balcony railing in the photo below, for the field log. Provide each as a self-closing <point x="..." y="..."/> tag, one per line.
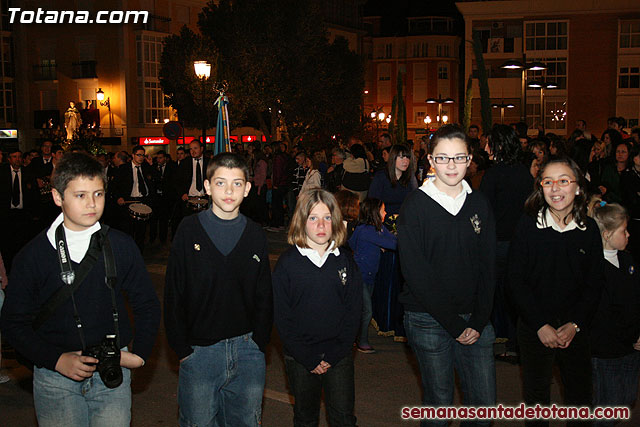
<point x="45" y="72"/>
<point x="84" y="70"/>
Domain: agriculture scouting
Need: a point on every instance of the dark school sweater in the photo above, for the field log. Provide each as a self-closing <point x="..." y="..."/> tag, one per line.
<point x="555" y="277"/>
<point x="316" y="314"/>
<point x="448" y="261"/>
<point x="35" y="276"/>
<point x="210" y="297"/>
<point x="616" y="325"/>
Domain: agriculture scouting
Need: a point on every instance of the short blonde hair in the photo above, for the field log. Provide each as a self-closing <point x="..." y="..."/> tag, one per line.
<point x="308" y="200"/>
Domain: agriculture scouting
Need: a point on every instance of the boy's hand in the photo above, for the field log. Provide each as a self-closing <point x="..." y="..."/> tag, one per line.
<point x="566" y="333"/>
<point x="73" y="365"/>
<point x="549" y="336"/>
<point x="130" y="360"/>
<point x="322" y="368"/>
<point x="468" y="336"/>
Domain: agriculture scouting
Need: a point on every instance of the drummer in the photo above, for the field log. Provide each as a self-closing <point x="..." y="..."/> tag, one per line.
<point x="134" y="183"/>
<point x="191" y="175"/>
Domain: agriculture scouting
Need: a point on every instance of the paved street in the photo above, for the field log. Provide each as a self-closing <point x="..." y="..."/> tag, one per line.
<point x="385" y="382"/>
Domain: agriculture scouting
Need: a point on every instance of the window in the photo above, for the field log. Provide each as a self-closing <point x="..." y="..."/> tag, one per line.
<point x="551" y="35"/>
<point x="388" y="50"/>
<point x="383" y="88"/>
<point x="6" y="99"/>
<point x="442" y="50"/>
<point x="443" y="72"/>
<point x="629" y="78"/>
<point x="151" y="109"/>
<point x="420" y="50"/>
<point x="384" y="72"/>
<point x="629" y="34"/>
<point x="533" y="115"/>
<point x="420" y="82"/>
<point x="419" y="117"/>
<point x="556" y="72"/>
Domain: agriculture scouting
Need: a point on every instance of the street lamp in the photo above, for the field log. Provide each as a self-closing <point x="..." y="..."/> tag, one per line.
<point x="203" y="71"/>
<point x="378" y="116"/>
<point x="524" y="67"/>
<point x="105" y="103"/>
<point x="440" y="101"/>
<point x="536" y="84"/>
<point x="502" y="106"/>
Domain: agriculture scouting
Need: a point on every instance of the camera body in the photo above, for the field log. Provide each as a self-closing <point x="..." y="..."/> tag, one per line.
<point x="108" y="355"/>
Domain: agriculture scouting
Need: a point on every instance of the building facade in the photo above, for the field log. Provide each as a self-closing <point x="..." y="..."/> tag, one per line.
<point x="427" y="53"/>
<point x="591" y="51"/>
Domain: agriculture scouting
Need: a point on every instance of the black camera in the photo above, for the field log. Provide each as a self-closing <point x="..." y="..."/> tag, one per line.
<point x="108" y="366"/>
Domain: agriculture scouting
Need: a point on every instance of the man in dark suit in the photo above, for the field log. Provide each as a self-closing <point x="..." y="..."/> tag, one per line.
<point x="18" y="206"/>
<point x="134" y="183"/>
<point x="164" y="197"/>
<point x="190" y="178"/>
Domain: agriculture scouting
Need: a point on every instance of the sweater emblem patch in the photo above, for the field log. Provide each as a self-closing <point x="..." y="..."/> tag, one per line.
<point x="475" y="222"/>
<point x="196" y="246"/>
<point x="632" y="269"/>
<point x="582" y="251"/>
<point x="256" y="257"/>
<point x="342" y="273"/>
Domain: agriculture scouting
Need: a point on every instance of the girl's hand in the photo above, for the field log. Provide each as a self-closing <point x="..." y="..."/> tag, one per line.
<point x="603" y="189"/>
<point x="566" y="333"/>
<point x="322" y="368"/>
<point x="468" y="336"/>
<point x="636" y="345"/>
<point x="549" y="337"/>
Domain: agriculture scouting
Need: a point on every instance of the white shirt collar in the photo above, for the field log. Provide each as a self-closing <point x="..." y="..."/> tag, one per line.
<point x="450" y="204"/>
<point x="315" y="257"/>
<point x="548" y="221"/>
<point x="77" y="241"/>
<point x="611" y="255"/>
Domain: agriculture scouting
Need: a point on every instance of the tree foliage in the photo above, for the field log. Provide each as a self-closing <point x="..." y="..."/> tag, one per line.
<point x="182" y="88"/>
<point x="398" y="124"/>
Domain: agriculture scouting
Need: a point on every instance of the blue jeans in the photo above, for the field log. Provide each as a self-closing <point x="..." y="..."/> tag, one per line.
<point x="339" y="393"/>
<point x="61" y="401"/>
<point x="367" y="313"/>
<point x="438" y="353"/>
<point x="615" y="382"/>
<point x="222" y="384"/>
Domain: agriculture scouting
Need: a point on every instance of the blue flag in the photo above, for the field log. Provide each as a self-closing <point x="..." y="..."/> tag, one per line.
<point x="223" y="140"/>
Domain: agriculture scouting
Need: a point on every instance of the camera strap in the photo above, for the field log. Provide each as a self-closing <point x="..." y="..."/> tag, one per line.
<point x="110" y="280"/>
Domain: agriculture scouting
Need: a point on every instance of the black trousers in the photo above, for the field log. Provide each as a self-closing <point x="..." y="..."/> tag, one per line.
<point x="277" y="206"/>
<point x="159" y="223"/>
<point x="339" y="393"/>
<point x="537" y="370"/>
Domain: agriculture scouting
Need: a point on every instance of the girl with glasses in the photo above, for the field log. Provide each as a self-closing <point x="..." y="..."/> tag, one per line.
<point x="554" y="273"/>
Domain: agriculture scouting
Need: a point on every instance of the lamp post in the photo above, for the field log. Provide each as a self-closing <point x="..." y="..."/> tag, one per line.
<point x="203" y="71"/>
<point x="378" y="116"/>
<point x="502" y="106"/>
<point x="536" y="84"/>
<point x="524" y="67"/>
<point x="440" y="101"/>
<point x="105" y="103"/>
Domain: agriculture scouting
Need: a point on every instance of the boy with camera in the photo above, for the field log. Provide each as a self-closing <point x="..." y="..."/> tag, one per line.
<point x="65" y="310"/>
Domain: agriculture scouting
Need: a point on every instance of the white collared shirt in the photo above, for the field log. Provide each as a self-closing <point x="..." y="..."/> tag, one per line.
<point x="13" y="178"/>
<point x="315" y="257"/>
<point x="193" y="191"/>
<point x="450" y="204"/>
<point x="611" y="255"/>
<point x="77" y="241"/>
<point x="134" y="189"/>
<point x="548" y="221"/>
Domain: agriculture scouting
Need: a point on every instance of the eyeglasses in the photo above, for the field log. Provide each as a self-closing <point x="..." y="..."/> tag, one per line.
<point x="444" y="160"/>
<point x="562" y="182"/>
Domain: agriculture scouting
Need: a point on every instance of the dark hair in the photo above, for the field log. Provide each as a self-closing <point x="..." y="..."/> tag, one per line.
<point x="521" y="129"/>
<point x="137" y="148"/>
<point x="635" y="151"/>
<point x="76" y="165"/>
<point x="181" y="148"/>
<point x="536" y="201"/>
<point x="370" y="213"/>
<point x="583" y="121"/>
<point x="386" y="136"/>
<point x="614" y="136"/>
<point x="56" y="148"/>
<point x="405" y="178"/>
<point x="559" y="144"/>
<point x="349" y="203"/>
<point x="357" y="151"/>
<point x="227" y="160"/>
<point x="629" y="148"/>
<point x="448" y="132"/>
<point x="164" y="153"/>
<point x="505" y="144"/>
<point x="197" y="141"/>
<point x="474" y="127"/>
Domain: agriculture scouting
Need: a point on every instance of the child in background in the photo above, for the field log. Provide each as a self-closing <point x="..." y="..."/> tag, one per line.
<point x="317" y="291"/>
<point x="349" y="208"/>
<point x="366" y="242"/>
<point x="615" y="329"/>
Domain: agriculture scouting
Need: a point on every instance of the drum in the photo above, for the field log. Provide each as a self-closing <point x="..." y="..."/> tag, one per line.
<point x="198" y="204"/>
<point x="140" y="211"/>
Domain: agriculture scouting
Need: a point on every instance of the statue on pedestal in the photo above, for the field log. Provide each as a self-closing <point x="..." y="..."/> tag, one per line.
<point x="72" y="120"/>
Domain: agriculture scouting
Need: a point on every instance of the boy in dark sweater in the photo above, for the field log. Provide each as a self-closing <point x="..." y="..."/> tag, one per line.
<point x="447" y="243"/>
<point x="218" y="308"/>
<point x="67" y="389"/>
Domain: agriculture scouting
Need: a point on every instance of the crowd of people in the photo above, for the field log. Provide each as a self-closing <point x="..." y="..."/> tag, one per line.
<point x="500" y="239"/>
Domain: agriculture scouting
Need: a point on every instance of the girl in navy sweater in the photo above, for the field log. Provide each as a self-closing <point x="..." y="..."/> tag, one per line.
<point x="554" y="275"/>
<point x="616" y="326"/>
<point x="317" y="291"/>
<point x="366" y="242"/>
